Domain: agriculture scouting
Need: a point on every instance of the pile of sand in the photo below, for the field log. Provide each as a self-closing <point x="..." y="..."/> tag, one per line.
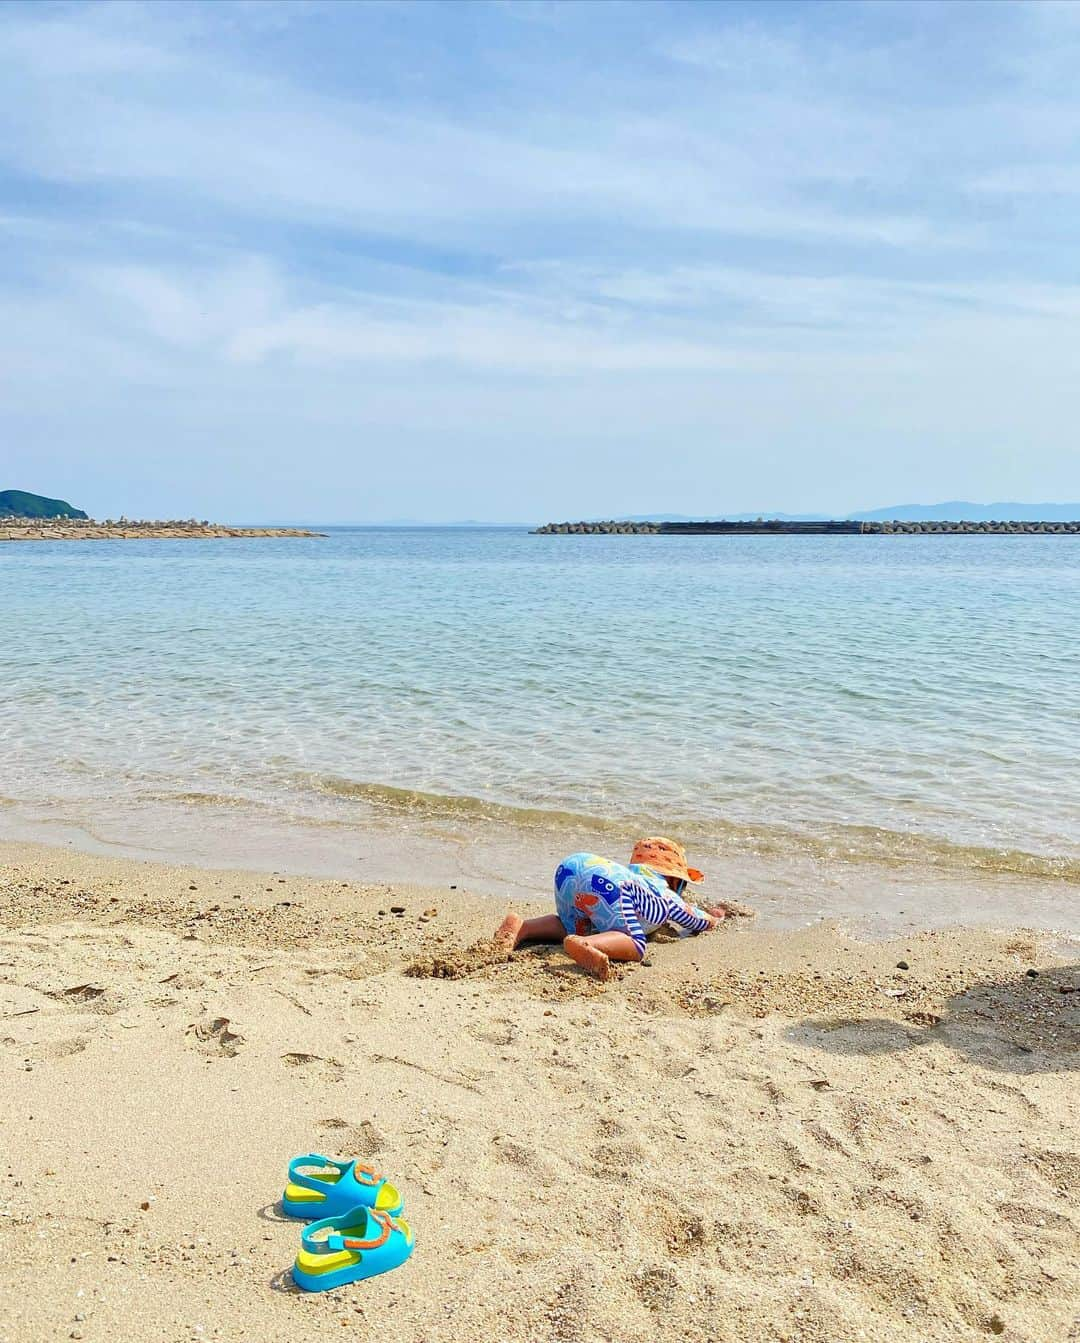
<point x="752" y="1137"/>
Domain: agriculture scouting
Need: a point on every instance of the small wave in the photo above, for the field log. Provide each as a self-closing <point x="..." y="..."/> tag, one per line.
<point x="903" y="848"/>
<point x="201" y="799"/>
<point x="846" y="844"/>
<point x="448" y="806"/>
<point x="849" y="844"/>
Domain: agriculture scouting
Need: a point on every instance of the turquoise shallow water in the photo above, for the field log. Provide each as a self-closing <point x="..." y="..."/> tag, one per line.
<point x="916" y="689"/>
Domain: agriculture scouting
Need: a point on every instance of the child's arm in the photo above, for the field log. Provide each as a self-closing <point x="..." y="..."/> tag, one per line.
<point x="687" y="916"/>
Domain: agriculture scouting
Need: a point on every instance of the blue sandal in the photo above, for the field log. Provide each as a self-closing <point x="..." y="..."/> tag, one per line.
<point x="323" y="1186"/>
<point x="356" y="1245"/>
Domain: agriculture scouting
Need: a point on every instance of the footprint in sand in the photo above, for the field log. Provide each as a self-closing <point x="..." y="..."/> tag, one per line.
<point x="531" y="1160"/>
<point x="676" y="1227"/>
<point x="1061" y="1170"/>
<point x="215" y="1037"/>
<point x="362" y="1139"/>
<point x="617" y="1159"/>
<point x="314" y="1065"/>
<point x="183" y="979"/>
<point x="498" y="1034"/>
<point x="1029" y="1215"/>
<point x="1004" y="1089"/>
<point x="824" y="1137"/>
<point x="88" y="998"/>
<point x="47" y="1050"/>
<point x="657" y="1286"/>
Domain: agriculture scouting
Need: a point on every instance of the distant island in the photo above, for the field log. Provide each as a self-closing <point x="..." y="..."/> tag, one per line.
<point x="953" y="510"/>
<point x="960" y="510"/>
<point x="21" y="504"/>
<point x="33" y="517"/>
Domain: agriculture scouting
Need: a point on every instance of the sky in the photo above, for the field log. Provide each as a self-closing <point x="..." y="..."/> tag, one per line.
<point x="530" y="261"/>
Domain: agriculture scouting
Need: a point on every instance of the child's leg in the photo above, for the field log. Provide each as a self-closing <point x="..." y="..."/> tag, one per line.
<point x="514" y="930"/>
<point x="596" y="952"/>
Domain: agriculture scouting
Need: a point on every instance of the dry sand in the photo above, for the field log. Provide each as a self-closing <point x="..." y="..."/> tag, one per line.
<point x="755" y="1136"/>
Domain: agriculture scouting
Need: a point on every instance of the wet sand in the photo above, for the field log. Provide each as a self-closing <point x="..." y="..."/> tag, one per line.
<point x="758" y="1135"/>
<point x="791" y="880"/>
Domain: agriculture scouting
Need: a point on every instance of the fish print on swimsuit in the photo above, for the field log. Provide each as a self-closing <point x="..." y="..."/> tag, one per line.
<point x="594" y="895"/>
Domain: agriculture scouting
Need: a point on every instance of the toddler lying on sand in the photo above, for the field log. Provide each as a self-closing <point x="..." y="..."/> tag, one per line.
<point x="606" y="910"/>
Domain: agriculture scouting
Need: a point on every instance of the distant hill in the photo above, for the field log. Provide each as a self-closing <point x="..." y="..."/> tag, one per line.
<point x="19" y="504"/>
<point x="714" y="517"/>
<point x="954" y="510"/>
<point x="961" y="510"/>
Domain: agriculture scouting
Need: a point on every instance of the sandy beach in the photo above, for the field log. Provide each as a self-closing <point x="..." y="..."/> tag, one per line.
<point x="770" y="303"/>
<point x="757" y="1135"/>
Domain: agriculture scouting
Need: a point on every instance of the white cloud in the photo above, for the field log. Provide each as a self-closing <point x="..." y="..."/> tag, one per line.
<point x="756" y="256"/>
<point x="564" y="321"/>
<point x="144" y="107"/>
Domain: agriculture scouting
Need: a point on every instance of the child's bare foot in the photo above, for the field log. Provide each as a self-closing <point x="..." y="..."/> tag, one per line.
<point x="507" y="931"/>
<point x="588" y="957"/>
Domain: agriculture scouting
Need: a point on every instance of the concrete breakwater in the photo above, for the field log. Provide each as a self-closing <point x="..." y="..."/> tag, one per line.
<point x="779" y="527"/>
<point x="88" y="529"/>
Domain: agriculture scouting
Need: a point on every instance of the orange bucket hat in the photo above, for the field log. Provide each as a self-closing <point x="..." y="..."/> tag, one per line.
<point x="666" y="857"/>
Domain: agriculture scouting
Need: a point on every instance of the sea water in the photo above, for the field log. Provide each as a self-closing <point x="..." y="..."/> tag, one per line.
<point x="897" y="694"/>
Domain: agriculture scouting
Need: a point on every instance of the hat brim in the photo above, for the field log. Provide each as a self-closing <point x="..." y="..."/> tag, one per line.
<point x="691" y="874"/>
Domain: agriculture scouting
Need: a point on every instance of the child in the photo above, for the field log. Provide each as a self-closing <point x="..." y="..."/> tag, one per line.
<point x="606" y="910"/>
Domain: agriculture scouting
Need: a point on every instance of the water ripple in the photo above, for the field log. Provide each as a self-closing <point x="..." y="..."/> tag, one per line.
<point x="907" y="685"/>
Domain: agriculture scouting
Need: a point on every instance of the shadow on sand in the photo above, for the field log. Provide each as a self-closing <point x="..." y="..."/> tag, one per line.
<point x="1022" y="1024"/>
<point x="271" y="1212"/>
<point x="282" y="1281"/>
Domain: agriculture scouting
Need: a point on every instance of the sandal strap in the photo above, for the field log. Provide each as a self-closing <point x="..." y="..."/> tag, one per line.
<point x="387" y="1226"/>
<point x="297" y="1176"/>
<point x="362" y="1174"/>
<point x="365" y="1175"/>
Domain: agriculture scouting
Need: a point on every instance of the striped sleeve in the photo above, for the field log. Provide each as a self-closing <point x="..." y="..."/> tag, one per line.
<point x="687" y="916"/>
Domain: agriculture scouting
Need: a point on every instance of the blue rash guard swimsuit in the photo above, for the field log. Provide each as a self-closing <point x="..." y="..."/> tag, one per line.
<point x="593" y="895"/>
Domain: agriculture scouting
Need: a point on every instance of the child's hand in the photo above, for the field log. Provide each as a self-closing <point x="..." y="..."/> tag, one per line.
<point x="730" y="909"/>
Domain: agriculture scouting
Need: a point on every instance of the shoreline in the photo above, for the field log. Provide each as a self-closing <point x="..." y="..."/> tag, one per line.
<point x="791" y="885"/>
<point x="758" y="1135"/>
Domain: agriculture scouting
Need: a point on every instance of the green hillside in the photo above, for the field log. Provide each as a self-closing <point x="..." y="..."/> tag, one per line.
<point x="19" y="504"/>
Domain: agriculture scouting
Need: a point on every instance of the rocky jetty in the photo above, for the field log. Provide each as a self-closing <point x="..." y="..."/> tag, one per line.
<point x="127" y="529"/>
<point x="839" y="527"/>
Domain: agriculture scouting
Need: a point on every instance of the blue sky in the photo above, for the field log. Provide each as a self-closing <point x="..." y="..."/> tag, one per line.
<point x="529" y="261"/>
